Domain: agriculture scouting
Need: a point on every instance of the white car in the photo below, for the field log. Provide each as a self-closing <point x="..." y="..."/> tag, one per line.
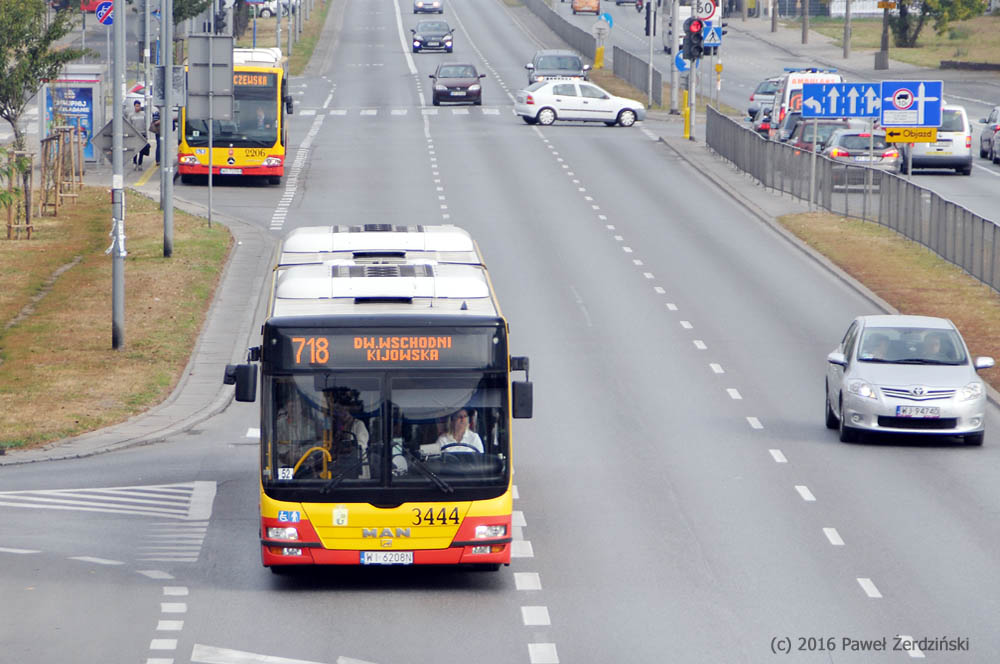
<point x="554" y="99"/>
<point x="905" y="375"/>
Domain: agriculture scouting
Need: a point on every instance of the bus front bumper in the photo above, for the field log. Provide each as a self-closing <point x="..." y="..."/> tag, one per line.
<point x="201" y="169"/>
<point x="310" y="553"/>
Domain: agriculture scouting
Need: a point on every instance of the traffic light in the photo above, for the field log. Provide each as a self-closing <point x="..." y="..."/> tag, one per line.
<point x="650" y="27"/>
<point x="693" y="39"/>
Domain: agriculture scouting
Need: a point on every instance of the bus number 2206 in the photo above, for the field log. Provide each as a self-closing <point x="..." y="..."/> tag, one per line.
<point x="429" y="517"/>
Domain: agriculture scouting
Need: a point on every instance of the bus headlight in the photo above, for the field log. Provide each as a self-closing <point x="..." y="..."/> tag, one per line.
<point x="189" y="159"/>
<point x="272" y="161"/>
<point x="489" y="532"/>
<point x="283" y="533"/>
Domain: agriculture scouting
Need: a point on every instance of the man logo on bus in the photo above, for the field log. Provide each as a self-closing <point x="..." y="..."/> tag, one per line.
<point x="385" y="532"/>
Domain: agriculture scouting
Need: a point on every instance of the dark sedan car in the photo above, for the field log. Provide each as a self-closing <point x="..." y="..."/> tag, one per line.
<point x="432" y="35"/>
<point x="551" y="63"/>
<point x="762" y="121"/>
<point x="457" y="82"/>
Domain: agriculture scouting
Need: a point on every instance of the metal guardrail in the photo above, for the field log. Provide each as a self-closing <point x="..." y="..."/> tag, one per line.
<point x="950" y="230"/>
<point x="581" y="40"/>
<point x="635" y="70"/>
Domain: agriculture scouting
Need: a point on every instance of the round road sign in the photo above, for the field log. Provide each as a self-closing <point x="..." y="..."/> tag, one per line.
<point x="902" y="99"/>
<point x="105" y="13"/>
<point x="705" y="9"/>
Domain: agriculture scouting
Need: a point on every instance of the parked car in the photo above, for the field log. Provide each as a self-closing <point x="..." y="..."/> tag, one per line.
<point x="556" y="62"/>
<point x="545" y="102"/>
<point x="586" y="6"/>
<point x="432" y="35"/>
<point x="953" y="148"/>
<point x="858" y="149"/>
<point x="989" y="139"/>
<point x="428" y="6"/>
<point x="762" y="121"/>
<point x="457" y="82"/>
<point x="763" y="96"/>
<point x="905" y="375"/>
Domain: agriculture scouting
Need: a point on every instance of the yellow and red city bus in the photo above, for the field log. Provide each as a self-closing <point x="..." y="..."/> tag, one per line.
<point x="386" y="402"/>
<point x="254" y="142"/>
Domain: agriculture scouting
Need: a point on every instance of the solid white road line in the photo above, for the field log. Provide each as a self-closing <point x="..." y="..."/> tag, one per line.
<point x="96" y="561"/>
<point x="19" y="551"/>
<point x="212" y="655"/>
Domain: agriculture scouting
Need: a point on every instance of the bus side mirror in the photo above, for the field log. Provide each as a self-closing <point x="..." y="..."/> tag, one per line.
<point x="289" y="105"/>
<point x="244" y="376"/>
<point x="523" y="400"/>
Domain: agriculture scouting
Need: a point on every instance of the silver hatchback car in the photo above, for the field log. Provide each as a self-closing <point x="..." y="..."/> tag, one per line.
<point x="905" y="375"/>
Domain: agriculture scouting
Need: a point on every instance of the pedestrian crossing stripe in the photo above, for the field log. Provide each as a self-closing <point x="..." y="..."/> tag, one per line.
<point x="187" y="501"/>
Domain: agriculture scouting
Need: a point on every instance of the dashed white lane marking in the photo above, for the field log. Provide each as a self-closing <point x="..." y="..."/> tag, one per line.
<point x="491" y="111"/>
<point x="18" y="551"/>
<point x="659" y="290"/>
<point x="173" y="607"/>
<point x="869" y="588"/>
<point x="733" y="393"/>
<point x="517" y="519"/>
<point x="686" y="324"/>
<point x="163" y="644"/>
<point x="175" y="591"/>
<point x="778" y="456"/>
<point x="307" y="112"/>
<point x="202" y="654"/>
<point x="534" y="616"/>
<point x="156" y="574"/>
<point x="717" y="368"/>
<point x="754" y="423"/>
<point x="671" y="306"/>
<point x="169" y="625"/>
<point x="338" y="111"/>
<point x="96" y="561"/>
<point x="521" y="549"/>
<point x="835" y="538"/>
<point x="253" y="432"/>
<point x="326" y="104"/>
<point x="543" y="653"/>
<point x="398" y="111"/>
<point x="637" y="262"/>
<point x="805" y="493"/>
<point x="159" y="660"/>
<point x="514" y="492"/>
<point x="627" y="250"/>
<point x="369" y="111"/>
<point x="459" y="111"/>
<point x="527" y="581"/>
<point x="648" y="275"/>
<point x="913" y="651"/>
<point x="699" y="344"/>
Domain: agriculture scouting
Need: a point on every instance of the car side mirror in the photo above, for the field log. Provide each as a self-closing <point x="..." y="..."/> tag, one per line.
<point x="412" y="30"/>
<point x="586" y="67"/>
<point x="983" y="362"/>
<point x="482" y="76"/>
<point x="529" y="66"/>
<point x="837" y="358"/>
<point x="430" y="76"/>
<point x="982" y="121"/>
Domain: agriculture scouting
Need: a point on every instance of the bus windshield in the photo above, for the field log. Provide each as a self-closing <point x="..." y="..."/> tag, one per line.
<point x="330" y="431"/>
<point x="255" y="117"/>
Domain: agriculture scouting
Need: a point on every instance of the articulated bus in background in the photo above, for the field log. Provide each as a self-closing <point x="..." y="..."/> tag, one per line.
<point x="386" y="402"/>
<point x="254" y="142"/>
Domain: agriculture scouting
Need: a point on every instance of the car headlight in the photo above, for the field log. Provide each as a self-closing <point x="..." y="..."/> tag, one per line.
<point x="862" y="389"/>
<point x="283" y="533"/>
<point x="474" y="87"/>
<point x="441" y="88"/>
<point x="539" y="78"/>
<point x="973" y="390"/>
<point x="487" y="532"/>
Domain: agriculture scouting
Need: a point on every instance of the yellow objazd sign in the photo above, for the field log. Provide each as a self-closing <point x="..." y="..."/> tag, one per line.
<point x="886" y="5"/>
<point x="911" y="135"/>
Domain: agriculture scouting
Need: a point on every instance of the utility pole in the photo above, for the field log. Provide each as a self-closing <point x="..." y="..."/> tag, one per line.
<point x="651" y="22"/>
<point x="805" y="21"/>
<point x="117" y="248"/>
<point x="147" y="79"/>
<point x="211" y="119"/>
<point x="882" y="56"/>
<point x="847" y="29"/>
<point x="675" y="75"/>
<point x="277" y="26"/>
<point x="168" y="146"/>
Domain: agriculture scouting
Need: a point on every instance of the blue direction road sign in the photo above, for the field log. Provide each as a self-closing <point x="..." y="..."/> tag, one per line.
<point x="105" y="13"/>
<point x="911" y="103"/>
<point x="711" y="37"/>
<point x="841" y="100"/>
<point x="607" y="19"/>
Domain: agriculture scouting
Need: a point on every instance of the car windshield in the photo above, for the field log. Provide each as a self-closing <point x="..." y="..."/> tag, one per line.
<point x="911" y="345"/>
<point x="821" y="132"/>
<point x="861" y="141"/>
<point x="567" y="62"/>
<point x="432" y="26"/>
<point x="951" y="120"/>
<point x="766" y="88"/>
<point x="457" y="71"/>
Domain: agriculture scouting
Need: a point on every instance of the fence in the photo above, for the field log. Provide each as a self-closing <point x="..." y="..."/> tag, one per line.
<point x="950" y="230"/>
<point x="636" y="71"/>
<point x="582" y="41"/>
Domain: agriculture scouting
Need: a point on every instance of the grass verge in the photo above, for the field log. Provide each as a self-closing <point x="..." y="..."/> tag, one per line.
<point x="974" y="40"/>
<point x="906" y="275"/>
<point x="59" y="376"/>
<point x="302" y="49"/>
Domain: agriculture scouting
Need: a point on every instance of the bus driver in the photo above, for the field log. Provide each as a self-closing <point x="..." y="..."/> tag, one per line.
<point x="458" y="435"/>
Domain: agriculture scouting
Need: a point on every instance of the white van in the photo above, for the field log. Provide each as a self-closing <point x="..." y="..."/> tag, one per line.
<point x="789" y="94"/>
<point x="953" y="148"/>
<point x="683" y="13"/>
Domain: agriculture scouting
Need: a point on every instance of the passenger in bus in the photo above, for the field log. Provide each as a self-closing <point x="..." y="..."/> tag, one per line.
<point x="458" y="435"/>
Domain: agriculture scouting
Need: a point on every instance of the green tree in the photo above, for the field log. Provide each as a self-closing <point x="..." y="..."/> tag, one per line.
<point x="184" y="9"/>
<point x="29" y="54"/>
<point x="914" y="14"/>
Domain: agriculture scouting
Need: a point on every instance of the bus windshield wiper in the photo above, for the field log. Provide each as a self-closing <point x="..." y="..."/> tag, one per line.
<point x="419" y="465"/>
<point x="341" y="476"/>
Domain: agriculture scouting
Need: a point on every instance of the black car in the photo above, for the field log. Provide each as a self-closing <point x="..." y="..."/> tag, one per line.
<point x="555" y="62"/>
<point x="432" y="35"/>
<point x="457" y="82"/>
